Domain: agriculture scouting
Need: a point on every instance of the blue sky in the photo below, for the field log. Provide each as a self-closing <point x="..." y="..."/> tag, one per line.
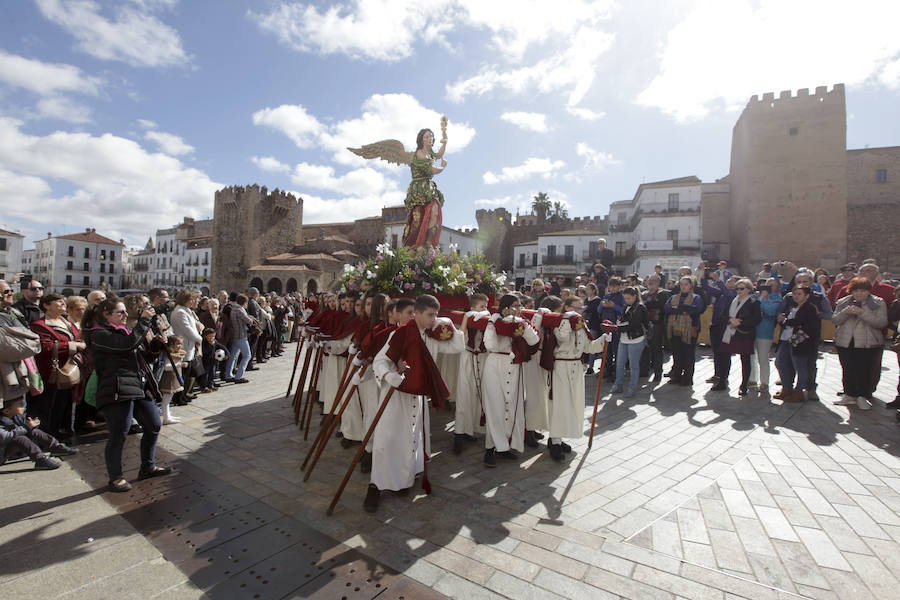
<point x="126" y="116"/>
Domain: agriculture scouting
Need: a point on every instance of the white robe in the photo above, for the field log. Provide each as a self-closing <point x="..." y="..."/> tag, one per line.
<point x="537" y="388"/>
<point x="397" y="452"/>
<point x="332" y="370"/>
<point x="503" y="390"/>
<point x="448" y="365"/>
<point x="468" y="387"/>
<point x="567" y="407"/>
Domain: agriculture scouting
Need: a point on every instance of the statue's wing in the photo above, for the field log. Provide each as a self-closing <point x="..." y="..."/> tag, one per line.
<point x="389" y="150"/>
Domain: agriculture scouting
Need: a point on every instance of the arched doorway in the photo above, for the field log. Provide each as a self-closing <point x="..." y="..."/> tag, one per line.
<point x="312" y="286"/>
<point x="291" y="286"/>
<point x="84" y="293"/>
<point x="257" y="283"/>
<point x="274" y="285"/>
<point x="68" y="292"/>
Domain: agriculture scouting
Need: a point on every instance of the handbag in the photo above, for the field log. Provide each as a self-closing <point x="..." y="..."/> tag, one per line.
<point x="798" y="337"/>
<point x="66" y="376"/>
<point x="197" y="367"/>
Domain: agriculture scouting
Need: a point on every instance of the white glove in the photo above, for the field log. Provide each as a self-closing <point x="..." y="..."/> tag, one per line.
<point x="441" y="320"/>
<point x="327" y="347"/>
<point x="394" y="379"/>
<point x="607" y="337"/>
<point x="355" y="379"/>
<point x="356" y="362"/>
<point x="353" y="349"/>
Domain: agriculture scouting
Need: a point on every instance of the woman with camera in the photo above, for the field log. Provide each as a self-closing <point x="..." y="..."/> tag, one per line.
<point x="859" y="319"/>
<point x="126" y="386"/>
<point x="59" y="365"/>
<point x="740" y="332"/>
<point x="801" y="326"/>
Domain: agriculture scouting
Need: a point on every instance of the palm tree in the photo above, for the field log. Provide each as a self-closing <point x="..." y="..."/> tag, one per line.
<point x="560" y="213"/>
<point x="541" y="205"/>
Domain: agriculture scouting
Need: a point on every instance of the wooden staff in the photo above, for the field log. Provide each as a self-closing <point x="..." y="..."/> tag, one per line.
<point x="298" y="395"/>
<point x="597" y="395"/>
<point x="328" y="418"/>
<point x="310" y="395"/>
<point x="359" y="452"/>
<point x="296" y="360"/>
<point x="328" y="429"/>
<point x="342" y="386"/>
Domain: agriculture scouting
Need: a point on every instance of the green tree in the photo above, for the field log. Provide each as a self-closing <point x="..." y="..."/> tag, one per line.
<point x="541" y="205"/>
<point x="560" y="213"/>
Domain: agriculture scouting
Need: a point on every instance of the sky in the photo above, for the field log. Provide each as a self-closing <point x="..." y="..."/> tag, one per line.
<point x="127" y="115"/>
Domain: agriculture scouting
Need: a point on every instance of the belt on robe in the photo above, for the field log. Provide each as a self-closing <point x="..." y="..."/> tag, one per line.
<point x="578" y="359"/>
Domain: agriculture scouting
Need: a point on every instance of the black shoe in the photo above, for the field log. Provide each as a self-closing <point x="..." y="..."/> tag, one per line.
<point x="537" y="435"/>
<point x="669" y="374"/>
<point x="565" y="447"/>
<point x="893" y="404"/>
<point x="509" y="455"/>
<point x="373" y="495"/>
<point x="228" y="380"/>
<point x="345" y="443"/>
<point x="252" y="369"/>
<point x="490" y="458"/>
<point x="365" y="463"/>
<point x="718" y="388"/>
<point x="589" y="371"/>
<point x="179" y="401"/>
<point x="63" y="450"/>
<point x="742" y="391"/>
<point x="458" y="440"/>
<point x="556" y="452"/>
<point x="124" y="486"/>
<point x="154" y="472"/>
<point x="530" y="441"/>
<point x="135" y="428"/>
<point x="242" y="380"/>
<point x="468" y="438"/>
<point x="45" y="463"/>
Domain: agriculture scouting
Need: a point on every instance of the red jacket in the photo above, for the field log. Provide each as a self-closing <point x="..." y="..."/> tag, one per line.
<point x="48" y="336"/>
<point x="880" y="289"/>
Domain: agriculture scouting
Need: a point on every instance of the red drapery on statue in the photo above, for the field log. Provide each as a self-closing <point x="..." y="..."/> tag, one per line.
<point x="423" y="225"/>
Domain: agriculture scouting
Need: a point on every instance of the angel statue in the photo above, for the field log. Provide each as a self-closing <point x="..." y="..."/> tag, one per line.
<point x="423" y="199"/>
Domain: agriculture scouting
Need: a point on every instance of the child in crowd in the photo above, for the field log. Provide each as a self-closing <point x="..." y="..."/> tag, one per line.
<point x="172" y="381"/>
<point x="210" y="346"/>
<point x="19" y="437"/>
<point x="611" y="308"/>
<point x="468" y="387"/>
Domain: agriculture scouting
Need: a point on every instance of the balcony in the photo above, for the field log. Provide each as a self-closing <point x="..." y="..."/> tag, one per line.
<point x="625" y="258"/>
<point x="557" y="259"/>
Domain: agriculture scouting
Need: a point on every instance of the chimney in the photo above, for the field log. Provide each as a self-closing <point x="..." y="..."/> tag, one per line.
<point x="49" y="235"/>
<point x="87" y="229"/>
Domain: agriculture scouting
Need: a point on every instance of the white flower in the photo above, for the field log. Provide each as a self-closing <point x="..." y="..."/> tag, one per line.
<point x="384" y="249"/>
<point x="454" y="247"/>
<point x="500" y="279"/>
<point x="348" y="268"/>
<point x="370" y="274"/>
<point x="437" y="288"/>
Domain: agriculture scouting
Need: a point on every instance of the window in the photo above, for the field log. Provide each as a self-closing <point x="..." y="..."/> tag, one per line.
<point x="87" y="280"/>
<point x="87" y="267"/>
<point x="569" y="251"/>
<point x="551" y="250"/>
<point x="522" y="259"/>
<point x="881" y="176"/>
<point x="112" y="255"/>
<point x="68" y="279"/>
<point x="2" y="244"/>
<point x="620" y="248"/>
<point x="672" y="234"/>
<point x="103" y="255"/>
<point x="69" y="266"/>
<point x="101" y="279"/>
<point x="87" y="252"/>
<point x="673" y="201"/>
<point x="71" y="250"/>
<point x="394" y="241"/>
<point x="794" y="131"/>
<point x="103" y="267"/>
<point x="112" y="268"/>
<point x="534" y="259"/>
<point x="592" y="250"/>
<point x="621" y="218"/>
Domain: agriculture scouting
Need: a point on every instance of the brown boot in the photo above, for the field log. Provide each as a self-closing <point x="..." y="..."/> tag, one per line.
<point x="796" y="396"/>
<point x="785" y="392"/>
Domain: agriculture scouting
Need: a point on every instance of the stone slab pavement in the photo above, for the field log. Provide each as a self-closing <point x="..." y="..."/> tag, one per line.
<point x="684" y="494"/>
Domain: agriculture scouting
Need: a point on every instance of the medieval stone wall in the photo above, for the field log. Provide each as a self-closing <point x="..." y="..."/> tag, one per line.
<point x="250" y="223"/>
<point x="873" y="206"/>
<point x="789" y="180"/>
<point x="365" y="233"/>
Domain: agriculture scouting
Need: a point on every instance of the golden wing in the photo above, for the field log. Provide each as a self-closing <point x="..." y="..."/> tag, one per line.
<point x="390" y="150"/>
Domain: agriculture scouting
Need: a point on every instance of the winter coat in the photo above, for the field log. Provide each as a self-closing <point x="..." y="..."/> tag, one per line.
<point x="185" y="325"/>
<point x="121" y="361"/>
<point x="864" y="330"/>
<point x="64" y="337"/>
<point x="16" y="344"/>
<point x="750" y="316"/>
<point x="808" y="320"/>
<point x="10" y="428"/>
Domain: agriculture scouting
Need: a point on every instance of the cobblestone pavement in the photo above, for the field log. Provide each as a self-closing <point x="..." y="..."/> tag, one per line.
<point x="683" y="495"/>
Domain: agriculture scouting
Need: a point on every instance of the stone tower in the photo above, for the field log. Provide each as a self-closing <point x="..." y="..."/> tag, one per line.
<point x="251" y="224"/>
<point x="789" y="180"/>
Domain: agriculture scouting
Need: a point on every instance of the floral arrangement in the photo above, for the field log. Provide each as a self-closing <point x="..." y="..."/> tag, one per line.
<point x="409" y="272"/>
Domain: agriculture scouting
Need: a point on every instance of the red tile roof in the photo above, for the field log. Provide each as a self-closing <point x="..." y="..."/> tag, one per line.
<point x="91" y="237"/>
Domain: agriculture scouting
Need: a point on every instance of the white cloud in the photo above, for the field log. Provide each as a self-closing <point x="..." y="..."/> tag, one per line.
<point x="293" y="121"/>
<point x="585" y="113"/>
<point x="543" y="167"/>
<point x="43" y="78"/>
<point x="495" y="201"/>
<point x="358" y="182"/>
<point x="271" y="164"/>
<point x="169" y="143"/>
<point x="571" y="70"/>
<point x="527" y="120"/>
<point x="146" y="124"/>
<point x="383" y="30"/>
<point x="328" y="210"/>
<point x="63" y="108"/>
<point x="117" y="186"/>
<point x="594" y="159"/>
<point x="135" y="37"/>
<point x="723" y="52"/>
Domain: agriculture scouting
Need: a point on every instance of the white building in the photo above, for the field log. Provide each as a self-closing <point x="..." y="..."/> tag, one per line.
<point x="10" y="254"/>
<point x="660" y="225"/>
<point x="183" y="255"/>
<point x="27" y="261"/>
<point x="394" y="218"/>
<point x="78" y="262"/>
<point x="139" y="267"/>
<point x="565" y="254"/>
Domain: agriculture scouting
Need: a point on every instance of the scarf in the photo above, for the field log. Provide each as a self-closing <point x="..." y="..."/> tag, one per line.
<point x="733" y="310"/>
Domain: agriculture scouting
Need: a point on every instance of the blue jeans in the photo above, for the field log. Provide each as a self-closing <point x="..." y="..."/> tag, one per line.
<point x="239" y="347"/>
<point x="118" y="421"/>
<point x="790" y="365"/>
<point x="629" y="354"/>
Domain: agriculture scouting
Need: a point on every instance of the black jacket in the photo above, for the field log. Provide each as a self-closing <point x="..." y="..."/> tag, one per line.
<point x="808" y="320"/>
<point x="592" y="313"/>
<point x="32" y="312"/>
<point x="636" y="321"/>
<point x="121" y="361"/>
<point x="750" y="316"/>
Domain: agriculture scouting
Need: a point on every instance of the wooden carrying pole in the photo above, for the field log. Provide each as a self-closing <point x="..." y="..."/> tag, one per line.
<point x="328" y="429"/>
<point x="310" y="394"/>
<point x="597" y="395"/>
<point x="328" y="418"/>
<point x="359" y="452"/>
<point x="298" y="395"/>
<point x="294" y="370"/>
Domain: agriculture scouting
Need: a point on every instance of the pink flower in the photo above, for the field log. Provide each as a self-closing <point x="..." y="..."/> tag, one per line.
<point x="426" y="285"/>
<point x="407" y="286"/>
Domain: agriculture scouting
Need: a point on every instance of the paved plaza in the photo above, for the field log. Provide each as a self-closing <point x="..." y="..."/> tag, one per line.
<point x="683" y="495"/>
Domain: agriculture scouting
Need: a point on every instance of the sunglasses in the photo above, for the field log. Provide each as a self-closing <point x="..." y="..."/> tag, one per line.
<point x="34" y="289"/>
<point x="9" y="292"/>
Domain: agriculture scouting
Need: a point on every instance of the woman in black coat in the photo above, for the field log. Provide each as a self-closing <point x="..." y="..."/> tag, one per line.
<point x="743" y="316"/>
<point x="126" y="387"/>
<point x="801" y="328"/>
